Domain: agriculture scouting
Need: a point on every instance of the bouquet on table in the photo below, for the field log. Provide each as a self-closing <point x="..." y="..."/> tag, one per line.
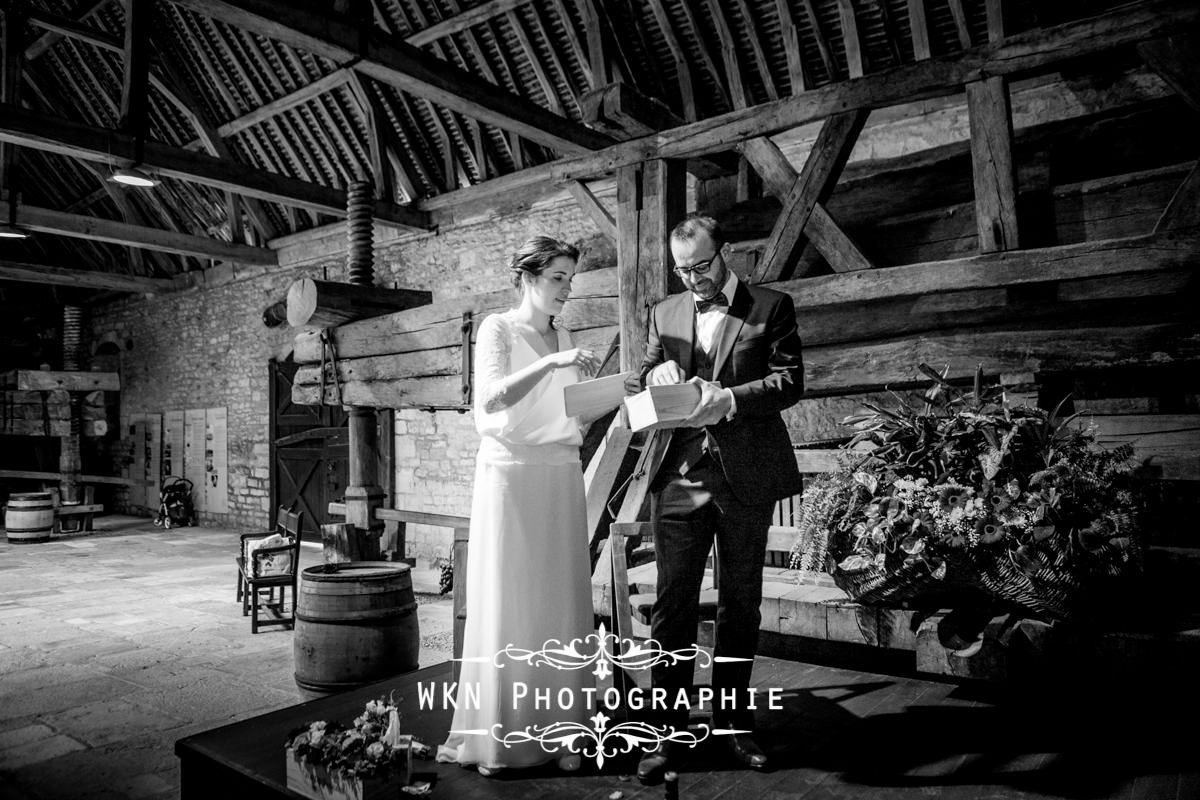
<point x="367" y="759"/>
<point x="960" y="491"/>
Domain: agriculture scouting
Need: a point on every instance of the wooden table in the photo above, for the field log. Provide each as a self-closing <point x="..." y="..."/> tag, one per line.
<point x="246" y="759"/>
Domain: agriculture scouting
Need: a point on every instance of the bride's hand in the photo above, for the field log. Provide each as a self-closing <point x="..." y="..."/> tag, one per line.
<point x="586" y="360"/>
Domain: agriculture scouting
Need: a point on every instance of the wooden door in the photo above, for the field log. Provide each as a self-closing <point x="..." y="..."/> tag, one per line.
<point x="310" y="453"/>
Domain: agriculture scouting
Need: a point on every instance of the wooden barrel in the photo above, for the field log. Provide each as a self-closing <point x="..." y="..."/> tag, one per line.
<point x="29" y="517"/>
<point x="354" y="626"/>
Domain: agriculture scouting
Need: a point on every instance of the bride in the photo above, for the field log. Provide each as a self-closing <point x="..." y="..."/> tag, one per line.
<point x="528" y="576"/>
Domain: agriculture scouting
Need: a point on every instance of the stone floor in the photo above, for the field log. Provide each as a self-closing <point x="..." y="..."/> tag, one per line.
<point x="115" y="644"/>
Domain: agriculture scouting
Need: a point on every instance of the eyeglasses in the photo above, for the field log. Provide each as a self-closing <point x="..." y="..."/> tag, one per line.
<point x="699" y="268"/>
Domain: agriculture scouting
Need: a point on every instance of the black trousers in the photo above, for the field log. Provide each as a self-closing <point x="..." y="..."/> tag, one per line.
<point x="691" y="511"/>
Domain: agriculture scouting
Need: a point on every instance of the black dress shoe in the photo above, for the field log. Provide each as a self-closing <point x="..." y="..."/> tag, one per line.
<point x="746" y="751"/>
<point x="654" y="763"/>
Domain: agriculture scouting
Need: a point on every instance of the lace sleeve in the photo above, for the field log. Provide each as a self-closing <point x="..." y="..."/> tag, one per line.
<point x="493" y="358"/>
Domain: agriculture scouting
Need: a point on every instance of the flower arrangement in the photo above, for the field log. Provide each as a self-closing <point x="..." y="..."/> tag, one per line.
<point x="334" y="756"/>
<point x="960" y="490"/>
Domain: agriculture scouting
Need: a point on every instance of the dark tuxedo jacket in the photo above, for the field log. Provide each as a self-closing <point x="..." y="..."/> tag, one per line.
<point x="758" y="357"/>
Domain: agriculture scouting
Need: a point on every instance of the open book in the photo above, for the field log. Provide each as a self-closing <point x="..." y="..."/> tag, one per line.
<point x="662" y="406"/>
<point x="595" y="396"/>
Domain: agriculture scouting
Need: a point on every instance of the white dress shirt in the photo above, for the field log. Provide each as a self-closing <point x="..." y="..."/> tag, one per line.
<point x="708" y="328"/>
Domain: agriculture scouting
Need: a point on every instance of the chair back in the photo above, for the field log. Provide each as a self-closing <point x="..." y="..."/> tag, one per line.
<point x="289" y="522"/>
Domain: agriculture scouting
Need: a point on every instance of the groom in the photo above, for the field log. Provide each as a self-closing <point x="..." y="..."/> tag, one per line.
<point x="723" y="470"/>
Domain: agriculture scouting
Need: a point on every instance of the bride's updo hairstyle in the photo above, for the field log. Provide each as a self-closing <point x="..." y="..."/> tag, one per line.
<point x="536" y="254"/>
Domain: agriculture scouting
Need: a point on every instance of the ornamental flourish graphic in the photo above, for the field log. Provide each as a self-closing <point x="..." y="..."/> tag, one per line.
<point x="602" y="652"/>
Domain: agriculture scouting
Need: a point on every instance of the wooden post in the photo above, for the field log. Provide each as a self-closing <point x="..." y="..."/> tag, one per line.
<point x="991" y="157"/>
<point x="363" y="495"/>
<point x="651" y="198"/>
<point x="461" y="538"/>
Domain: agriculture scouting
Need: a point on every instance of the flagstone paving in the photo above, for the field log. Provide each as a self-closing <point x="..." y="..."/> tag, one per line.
<point x="114" y="645"/>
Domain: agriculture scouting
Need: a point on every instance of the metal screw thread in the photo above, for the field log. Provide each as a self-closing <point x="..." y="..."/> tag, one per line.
<point x="71" y="336"/>
<point x="360" y="232"/>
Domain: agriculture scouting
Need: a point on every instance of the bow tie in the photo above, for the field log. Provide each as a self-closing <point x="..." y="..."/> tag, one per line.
<point x="717" y="301"/>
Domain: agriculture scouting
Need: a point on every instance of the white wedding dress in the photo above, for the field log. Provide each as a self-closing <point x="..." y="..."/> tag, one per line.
<point x="528" y="581"/>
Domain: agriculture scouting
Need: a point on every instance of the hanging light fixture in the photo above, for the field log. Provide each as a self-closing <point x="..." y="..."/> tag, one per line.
<point x="132" y="176"/>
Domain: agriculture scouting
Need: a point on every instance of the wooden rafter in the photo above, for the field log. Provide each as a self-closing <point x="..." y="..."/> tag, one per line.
<point x="481" y="63"/>
<point x="462" y="21"/>
<point x="575" y="44"/>
<point x="47" y="40"/>
<point x="855" y="64"/>
<point x="756" y="46"/>
<point x="47" y="220"/>
<point x="72" y="139"/>
<point x="535" y="63"/>
<point x="791" y="45"/>
<point x="539" y="31"/>
<point x="822" y="41"/>
<point x="401" y="65"/>
<point x="705" y="56"/>
<point x="816" y="182"/>
<point x="960" y="23"/>
<point x="683" y="72"/>
<point x="452" y="129"/>
<point x="738" y="92"/>
<point x="82" y="278"/>
<point x="1027" y="53"/>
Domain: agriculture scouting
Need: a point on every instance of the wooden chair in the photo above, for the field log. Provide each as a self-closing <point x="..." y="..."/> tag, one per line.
<point x="265" y="568"/>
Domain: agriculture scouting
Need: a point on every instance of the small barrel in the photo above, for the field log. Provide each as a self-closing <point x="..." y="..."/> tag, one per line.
<point x="29" y="517"/>
<point x="354" y="626"/>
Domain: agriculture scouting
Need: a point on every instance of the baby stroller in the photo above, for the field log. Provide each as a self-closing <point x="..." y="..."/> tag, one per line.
<point x="175" y="504"/>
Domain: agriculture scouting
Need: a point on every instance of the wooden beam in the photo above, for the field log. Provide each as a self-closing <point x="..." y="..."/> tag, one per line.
<point x="920" y="29"/>
<point x="992" y="164"/>
<point x="650" y="200"/>
<point x="56" y="135"/>
<point x="1023" y="54"/>
<point x="1176" y="59"/>
<point x="592" y="207"/>
<point x="43" y="43"/>
<point x="960" y="23"/>
<point x="135" y="94"/>
<point x="756" y="46"/>
<point x="1183" y="210"/>
<point x="44" y="380"/>
<point x="702" y="49"/>
<point x="738" y="92"/>
<point x="791" y="45"/>
<point x="401" y="65"/>
<point x="83" y="278"/>
<point x="461" y="22"/>
<point x="44" y="220"/>
<point x="822" y="41"/>
<point x="845" y="368"/>
<point x="1141" y="254"/>
<point x="855" y="65"/>
<point x="535" y="63"/>
<point x="779" y="178"/>
<point x="817" y="179"/>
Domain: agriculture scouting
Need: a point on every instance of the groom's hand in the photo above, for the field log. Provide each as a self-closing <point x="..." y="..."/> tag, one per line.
<point x="665" y="373"/>
<point x="715" y="404"/>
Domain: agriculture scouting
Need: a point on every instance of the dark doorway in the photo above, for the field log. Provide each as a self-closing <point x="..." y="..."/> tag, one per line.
<point x="310" y="451"/>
